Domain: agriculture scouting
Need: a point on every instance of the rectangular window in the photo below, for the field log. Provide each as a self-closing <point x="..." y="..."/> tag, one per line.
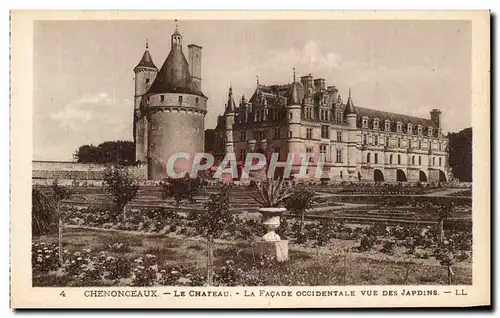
<point x="197" y="101"/>
<point x="339" y="156"/>
<point x="291" y="115"/>
<point x="365" y="140"/>
<point x="322" y="149"/>
<point x="290" y="135"/>
<point x="387" y="141"/>
<point x="180" y="99"/>
<point x="419" y="160"/>
<point x="309" y="133"/>
<point x="375" y="158"/>
<point x="147" y="80"/>
<point x="399" y="142"/>
<point x="309" y="150"/>
<point x="339" y="136"/>
<point x="375" y="140"/>
<point x="162" y="98"/>
<point x="325" y="132"/>
<point x="276" y="133"/>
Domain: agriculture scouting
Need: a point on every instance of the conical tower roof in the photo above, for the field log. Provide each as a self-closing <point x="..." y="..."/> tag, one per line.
<point x="349" y="107"/>
<point x="295" y="92"/>
<point x="146" y="60"/>
<point x="174" y="76"/>
<point x="231" y="105"/>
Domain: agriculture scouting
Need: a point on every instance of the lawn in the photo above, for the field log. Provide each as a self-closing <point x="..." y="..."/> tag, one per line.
<point x="119" y="258"/>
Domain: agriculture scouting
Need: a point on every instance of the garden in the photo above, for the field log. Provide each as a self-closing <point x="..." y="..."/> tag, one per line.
<point x="113" y="244"/>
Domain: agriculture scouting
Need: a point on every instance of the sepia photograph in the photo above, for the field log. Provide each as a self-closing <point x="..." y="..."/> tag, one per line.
<point x="249" y="160"/>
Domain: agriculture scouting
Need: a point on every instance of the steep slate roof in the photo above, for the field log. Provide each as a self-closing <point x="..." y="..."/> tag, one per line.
<point x="349" y="107"/>
<point x="393" y="117"/>
<point x="146" y="61"/>
<point x="295" y="94"/>
<point x="174" y="76"/>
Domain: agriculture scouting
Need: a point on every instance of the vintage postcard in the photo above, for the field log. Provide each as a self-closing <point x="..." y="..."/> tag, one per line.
<point x="250" y="159"/>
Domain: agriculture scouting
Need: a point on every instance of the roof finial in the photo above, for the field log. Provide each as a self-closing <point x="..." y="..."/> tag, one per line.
<point x="294" y="74"/>
<point x="230" y="88"/>
<point x="147" y="43"/>
<point x="349" y="92"/>
<point x="257" y="79"/>
<point x="176" y="25"/>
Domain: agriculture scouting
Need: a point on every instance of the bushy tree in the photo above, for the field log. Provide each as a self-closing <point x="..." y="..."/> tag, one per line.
<point x="60" y="193"/>
<point x="179" y="189"/>
<point x="119" y="152"/>
<point x="121" y="186"/>
<point x="460" y="158"/>
<point x="43" y="213"/>
<point x="302" y="199"/>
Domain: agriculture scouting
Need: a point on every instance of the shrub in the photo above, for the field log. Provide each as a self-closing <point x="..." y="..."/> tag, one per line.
<point x="120" y="186"/>
<point x="43" y="213"/>
<point x="179" y="189"/>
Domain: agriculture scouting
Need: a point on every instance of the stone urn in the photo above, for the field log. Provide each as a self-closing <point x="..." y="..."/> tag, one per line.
<point x="271" y="221"/>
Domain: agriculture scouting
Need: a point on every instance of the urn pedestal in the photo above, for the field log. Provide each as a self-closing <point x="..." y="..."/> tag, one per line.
<point x="272" y="245"/>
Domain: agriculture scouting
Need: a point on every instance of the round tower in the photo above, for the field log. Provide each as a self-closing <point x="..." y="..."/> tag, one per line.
<point x="176" y="109"/>
<point x="145" y="73"/>
<point x="352" y="137"/>
<point x="294" y="109"/>
<point x="229" y="115"/>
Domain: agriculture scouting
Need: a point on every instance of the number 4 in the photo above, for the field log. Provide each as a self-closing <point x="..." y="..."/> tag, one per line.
<point x="63" y="294"/>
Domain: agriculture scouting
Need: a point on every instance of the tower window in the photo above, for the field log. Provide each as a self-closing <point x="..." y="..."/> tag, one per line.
<point x="399" y="159"/>
<point x="147" y="99"/>
<point x="197" y="101"/>
<point x="290" y="115"/>
<point x="180" y="99"/>
<point x="162" y="98"/>
<point x="390" y="159"/>
<point x="147" y="80"/>
<point x="325" y="131"/>
<point x="309" y="133"/>
<point x="368" y="158"/>
<point x="339" y="156"/>
<point x="419" y="160"/>
<point x="290" y="134"/>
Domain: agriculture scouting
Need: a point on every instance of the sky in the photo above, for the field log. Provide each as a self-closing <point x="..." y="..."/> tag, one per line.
<point x="84" y="86"/>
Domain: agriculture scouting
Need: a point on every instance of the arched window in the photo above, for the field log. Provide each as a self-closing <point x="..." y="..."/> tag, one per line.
<point x="390" y="159"/>
<point x="434" y="161"/>
<point x="399" y="159"/>
<point x="413" y="160"/>
<point x="368" y="158"/>
<point x="375" y="158"/>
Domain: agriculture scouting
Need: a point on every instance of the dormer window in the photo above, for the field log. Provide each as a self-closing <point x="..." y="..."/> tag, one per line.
<point x="410" y="129"/>
<point x="365" y="122"/>
<point x="399" y="126"/>
<point x="147" y="99"/>
<point x="376" y="123"/>
<point x="419" y="129"/>
<point x="429" y="131"/>
<point x="387" y="125"/>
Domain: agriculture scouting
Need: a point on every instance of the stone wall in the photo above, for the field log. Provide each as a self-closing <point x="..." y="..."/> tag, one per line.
<point x="65" y="170"/>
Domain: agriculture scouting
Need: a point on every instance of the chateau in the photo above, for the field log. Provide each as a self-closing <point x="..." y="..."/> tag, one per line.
<point x="169" y="107"/>
<point x="356" y="143"/>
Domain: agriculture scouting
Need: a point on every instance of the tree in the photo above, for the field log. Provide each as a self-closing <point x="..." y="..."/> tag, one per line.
<point x="443" y="212"/>
<point x="43" y="213"/>
<point x="121" y="186"/>
<point x="302" y="199"/>
<point x="60" y="193"/>
<point x="179" y="189"/>
<point x="118" y="152"/>
<point x="460" y="159"/>
<point x="214" y="222"/>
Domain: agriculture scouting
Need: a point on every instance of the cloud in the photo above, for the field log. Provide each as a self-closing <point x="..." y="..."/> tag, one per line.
<point x="99" y="107"/>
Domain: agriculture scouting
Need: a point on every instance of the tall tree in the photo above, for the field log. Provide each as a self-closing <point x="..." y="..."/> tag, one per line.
<point x="461" y="154"/>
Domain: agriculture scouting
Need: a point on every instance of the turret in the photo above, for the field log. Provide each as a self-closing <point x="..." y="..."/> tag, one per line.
<point x="229" y="115"/>
<point x="294" y="109"/>
<point x="145" y="74"/>
<point x="352" y="137"/>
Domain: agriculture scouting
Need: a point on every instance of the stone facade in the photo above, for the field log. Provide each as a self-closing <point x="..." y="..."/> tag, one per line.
<point x="357" y="144"/>
<point x="170" y="108"/>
